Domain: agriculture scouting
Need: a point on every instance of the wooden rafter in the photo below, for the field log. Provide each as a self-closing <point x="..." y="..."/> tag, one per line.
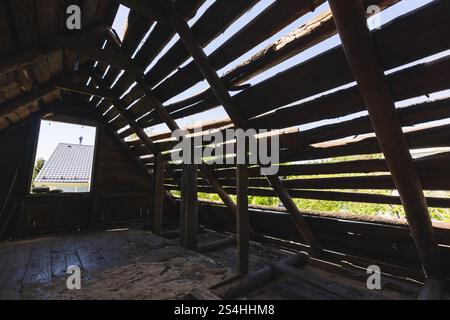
<point x="206" y="171"/>
<point x="87" y="49"/>
<point x="361" y="54"/>
<point x="129" y="153"/>
<point x="69" y="85"/>
<point x="39" y="93"/>
<point x="222" y="94"/>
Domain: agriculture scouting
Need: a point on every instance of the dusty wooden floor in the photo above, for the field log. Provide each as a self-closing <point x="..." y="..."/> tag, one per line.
<point x="135" y="264"/>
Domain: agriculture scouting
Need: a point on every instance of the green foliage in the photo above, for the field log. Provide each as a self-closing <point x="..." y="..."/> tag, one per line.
<point x="366" y="209"/>
<point x="38" y="167"/>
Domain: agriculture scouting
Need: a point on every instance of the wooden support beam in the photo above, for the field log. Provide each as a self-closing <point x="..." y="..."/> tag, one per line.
<point x="189" y="207"/>
<point x="90" y="50"/>
<point x="361" y="54"/>
<point x="261" y="277"/>
<point x="69" y="85"/>
<point x="207" y="172"/>
<point x="26" y="99"/>
<point x="138" y="130"/>
<point x="243" y="222"/>
<point x="222" y="94"/>
<point x="24" y="58"/>
<point x="215" y="245"/>
<point x="158" y="193"/>
<point x="130" y="154"/>
<point x="37" y="94"/>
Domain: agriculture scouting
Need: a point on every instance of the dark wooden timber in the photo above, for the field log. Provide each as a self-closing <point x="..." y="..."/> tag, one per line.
<point x="433" y="289"/>
<point x="158" y="193"/>
<point x="170" y="122"/>
<point x="189" y="207"/>
<point x="216" y="245"/>
<point x="243" y="221"/>
<point x="261" y="277"/>
<point x="361" y="52"/>
<point x="222" y="94"/>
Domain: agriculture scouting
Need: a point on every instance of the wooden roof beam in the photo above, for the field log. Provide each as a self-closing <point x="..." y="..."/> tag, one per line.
<point x="222" y="94"/>
<point x="206" y="171"/>
<point x="360" y="51"/>
<point x="69" y="85"/>
<point x="89" y="49"/>
<point x="37" y="94"/>
<point x="129" y="153"/>
<point x="20" y="60"/>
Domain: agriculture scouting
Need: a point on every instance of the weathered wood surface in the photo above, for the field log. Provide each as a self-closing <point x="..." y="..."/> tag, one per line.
<point x="362" y="57"/>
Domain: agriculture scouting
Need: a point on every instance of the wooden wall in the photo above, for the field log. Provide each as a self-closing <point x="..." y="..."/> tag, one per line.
<point x="361" y="242"/>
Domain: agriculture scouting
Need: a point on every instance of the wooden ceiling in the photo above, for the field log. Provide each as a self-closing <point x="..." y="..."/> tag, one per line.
<point x="27" y="62"/>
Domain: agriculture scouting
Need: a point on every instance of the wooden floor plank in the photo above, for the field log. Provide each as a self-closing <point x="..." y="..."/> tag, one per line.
<point x="36" y="268"/>
<point x="14" y="271"/>
<point x="37" y="281"/>
<point x="109" y="245"/>
<point x="58" y="258"/>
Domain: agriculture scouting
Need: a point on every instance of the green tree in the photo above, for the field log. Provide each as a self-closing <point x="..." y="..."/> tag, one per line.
<point x="38" y="167"/>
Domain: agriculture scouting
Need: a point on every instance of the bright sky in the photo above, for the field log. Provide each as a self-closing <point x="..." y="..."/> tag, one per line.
<point x="52" y="133"/>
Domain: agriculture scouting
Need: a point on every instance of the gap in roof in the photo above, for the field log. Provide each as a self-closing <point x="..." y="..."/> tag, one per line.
<point x="120" y="21"/>
<point x="387" y="15"/>
<point x="144" y="39"/>
<point x="292" y="26"/>
<point x="175" y="38"/>
<point x="237" y="25"/>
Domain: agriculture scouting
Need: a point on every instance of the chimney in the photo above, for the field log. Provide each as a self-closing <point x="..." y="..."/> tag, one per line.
<point x="81" y="140"/>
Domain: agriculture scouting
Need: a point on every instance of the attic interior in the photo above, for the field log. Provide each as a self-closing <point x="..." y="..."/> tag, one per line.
<point x="354" y="106"/>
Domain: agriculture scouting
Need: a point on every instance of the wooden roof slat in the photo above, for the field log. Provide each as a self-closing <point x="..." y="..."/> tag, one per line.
<point x="161" y="34"/>
<point x="318" y="29"/>
<point x="408" y="83"/>
<point x="273" y="19"/>
<point x="222" y="94"/>
<point x="405" y="44"/>
<point x="329" y="69"/>
<point x="219" y="16"/>
<point x="434" y="202"/>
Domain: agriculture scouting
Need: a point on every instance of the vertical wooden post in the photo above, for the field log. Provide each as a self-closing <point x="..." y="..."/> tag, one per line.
<point x="189" y="207"/>
<point x="223" y="96"/>
<point x="243" y="224"/>
<point x="95" y="174"/>
<point x="360" y="49"/>
<point x="26" y="176"/>
<point x="158" y="194"/>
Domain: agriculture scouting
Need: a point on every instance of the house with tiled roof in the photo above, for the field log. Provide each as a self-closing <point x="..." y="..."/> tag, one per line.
<point x="68" y="169"/>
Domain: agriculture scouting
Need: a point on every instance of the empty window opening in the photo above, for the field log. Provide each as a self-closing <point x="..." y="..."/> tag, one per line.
<point x="64" y="158"/>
